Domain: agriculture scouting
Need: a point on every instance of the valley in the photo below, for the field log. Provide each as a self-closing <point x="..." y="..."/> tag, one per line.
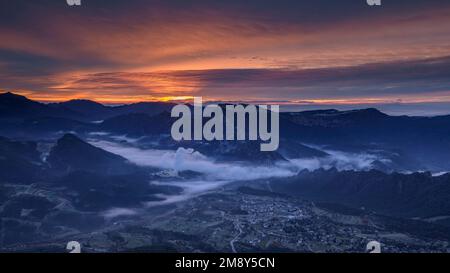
<point x="112" y="178"/>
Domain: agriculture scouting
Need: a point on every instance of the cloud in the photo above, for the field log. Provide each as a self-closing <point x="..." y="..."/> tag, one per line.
<point x="114" y="50"/>
<point x="412" y="81"/>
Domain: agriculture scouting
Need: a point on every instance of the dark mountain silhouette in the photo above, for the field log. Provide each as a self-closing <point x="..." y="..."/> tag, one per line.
<point x="72" y="154"/>
<point x="405" y="195"/>
<point x="149" y="108"/>
<point x="16" y="106"/>
<point x="361" y="126"/>
<point x="87" y="109"/>
<point x="90" y="110"/>
<point x="422" y="141"/>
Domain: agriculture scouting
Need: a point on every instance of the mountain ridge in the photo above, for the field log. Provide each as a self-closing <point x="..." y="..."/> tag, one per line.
<point x="73" y="154"/>
<point x="17" y="106"/>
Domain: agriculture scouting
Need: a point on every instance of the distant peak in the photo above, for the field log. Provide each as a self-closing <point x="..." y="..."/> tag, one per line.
<point x="322" y="112"/>
<point x="372" y="110"/>
<point x="85" y="101"/>
<point x="9" y="95"/>
<point x="369" y="111"/>
<point x="69" y="138"/>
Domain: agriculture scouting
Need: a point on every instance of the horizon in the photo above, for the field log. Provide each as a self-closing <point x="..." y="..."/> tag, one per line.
<point x="389" y="109"/>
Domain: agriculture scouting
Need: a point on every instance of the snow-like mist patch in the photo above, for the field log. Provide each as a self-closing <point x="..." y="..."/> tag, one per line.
<point x="190" y="189"/>
<point x="342" y="161"/>
<point x="116" y="212"/>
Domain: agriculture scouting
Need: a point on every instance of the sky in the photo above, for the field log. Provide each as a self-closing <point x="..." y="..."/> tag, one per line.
<point x="295" y="53"/>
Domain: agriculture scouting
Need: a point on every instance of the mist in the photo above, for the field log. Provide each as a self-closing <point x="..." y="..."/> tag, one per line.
<point x="214" y="175"/>
<point x="190" y="160"/>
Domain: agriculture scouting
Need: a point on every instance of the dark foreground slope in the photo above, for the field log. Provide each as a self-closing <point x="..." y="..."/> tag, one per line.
<point x="405" y="195"/>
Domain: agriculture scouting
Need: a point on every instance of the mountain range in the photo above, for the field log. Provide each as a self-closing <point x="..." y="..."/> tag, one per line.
<point x="55" y="181"/>
<point x="409" y="143"/>
<point x="20" y="107"/>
